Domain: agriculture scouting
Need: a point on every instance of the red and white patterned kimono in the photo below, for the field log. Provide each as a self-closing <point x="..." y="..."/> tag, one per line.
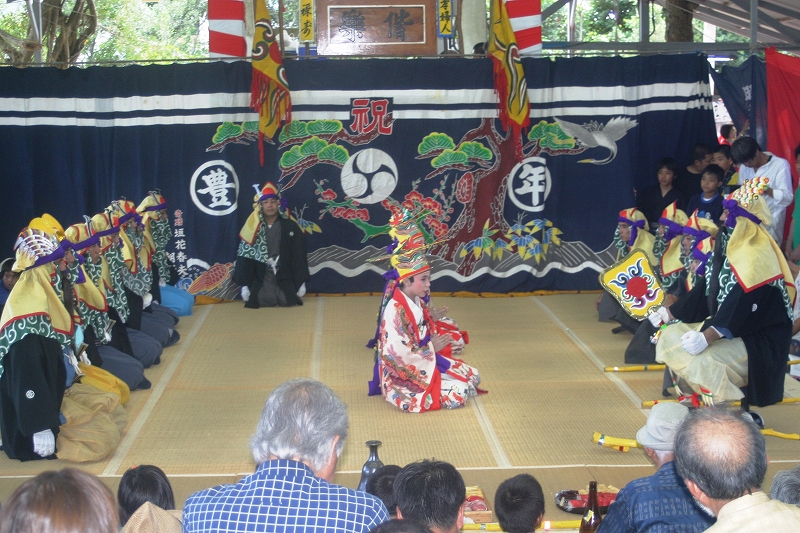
<point x="412" y="376"/>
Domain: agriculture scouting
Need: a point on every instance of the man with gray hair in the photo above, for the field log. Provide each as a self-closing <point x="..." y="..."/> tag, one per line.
<point x="661" y="502"/>
<point x="722" y="457"/>
<point x="786" y="486"/>
<point x="296" y="447"/>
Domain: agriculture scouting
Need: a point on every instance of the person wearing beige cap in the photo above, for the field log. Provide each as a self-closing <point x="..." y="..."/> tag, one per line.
<point x="661" y="502"/>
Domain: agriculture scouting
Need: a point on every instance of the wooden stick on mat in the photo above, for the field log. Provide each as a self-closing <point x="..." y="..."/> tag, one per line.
<point x="636" y="368"/>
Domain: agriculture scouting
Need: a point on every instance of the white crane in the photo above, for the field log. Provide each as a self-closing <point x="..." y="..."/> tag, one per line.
<point x="605" y="136"/>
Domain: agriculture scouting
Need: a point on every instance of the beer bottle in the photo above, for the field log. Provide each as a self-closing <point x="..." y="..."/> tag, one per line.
<point x="591" y="518"/>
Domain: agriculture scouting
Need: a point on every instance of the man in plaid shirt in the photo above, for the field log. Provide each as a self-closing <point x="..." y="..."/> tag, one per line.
<point x="296" y="446"/>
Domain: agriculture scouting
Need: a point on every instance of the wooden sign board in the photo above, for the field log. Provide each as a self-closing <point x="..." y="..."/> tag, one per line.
<point x="376" y="27"/>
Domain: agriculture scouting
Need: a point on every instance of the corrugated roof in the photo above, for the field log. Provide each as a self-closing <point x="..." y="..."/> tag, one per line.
<point x="778" y="20"/>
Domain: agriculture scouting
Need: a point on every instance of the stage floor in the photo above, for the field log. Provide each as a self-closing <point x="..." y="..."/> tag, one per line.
<point x="540" y="357"/>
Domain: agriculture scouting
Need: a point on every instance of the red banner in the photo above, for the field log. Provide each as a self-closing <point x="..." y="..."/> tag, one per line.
<point x="783" y="132"/>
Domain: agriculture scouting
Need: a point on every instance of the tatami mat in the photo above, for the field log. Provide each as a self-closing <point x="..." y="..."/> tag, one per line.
<point x="540" y="358"/>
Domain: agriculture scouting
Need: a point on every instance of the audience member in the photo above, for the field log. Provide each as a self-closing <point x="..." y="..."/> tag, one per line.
<point x="140" y="484"/>
<point x="297" y="444"/>
<point x="727" y="134"/>
<point x="396" y="525"/>
<point x="754" y="163"/>
<point x="659" y="503"/>
<point x="67" y="501"/>
<point x="654" y="199"/>
<point x="519" y="504"/>
<point x="722" y="158"/>
<point x="722" y="457"/>
<point x="381" y="484"/>
<point x="708" y="204"/>
<point x="431" y="492"/>
<point x="688" y="179"/>
<point x="793" y="244"/>
<point x="786" y="486"/>
<point x="151" y="518"/>
<point x="9" y="280"/>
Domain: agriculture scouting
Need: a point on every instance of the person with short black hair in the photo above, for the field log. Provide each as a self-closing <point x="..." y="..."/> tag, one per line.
<point x="140" y="484"/>
<point x="727" y="134"/>
<point x="688" y="179"/>
<point x="431" y="492"/>
<point x="271" y="263"/>
<point x="519" y="504"/>
<point x="786" y="486"/>
<point x="755" y="163"/>
<point x="722" y="158"/>
<point x="708" y="203"/>
<point x="654" y="199"/>
<point x="722" y="457"/>
<point x="9" y="280"/>
<point x="396" y="525"/>
<point x="381" y="484"/>
<point x="66" y="501"/>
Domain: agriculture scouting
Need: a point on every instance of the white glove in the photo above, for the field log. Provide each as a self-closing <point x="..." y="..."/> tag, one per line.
<point x="44" y="443"/>
<point x="161" y="282"/>
<point x="694" y="342"/>
<point x="301" y="291"/>
<point x="147" y="299"/>
<point x="245" y="293"/>
<point x="658" y="317"/>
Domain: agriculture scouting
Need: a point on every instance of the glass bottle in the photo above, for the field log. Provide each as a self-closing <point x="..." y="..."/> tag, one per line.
<point x="373" y="463"/>
<point x="591" y="518"/>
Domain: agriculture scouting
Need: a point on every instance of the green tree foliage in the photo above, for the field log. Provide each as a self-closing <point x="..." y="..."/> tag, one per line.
<point x="136" y="30"/>
<point x="602" y="21"/>
<point x="606" y="17"/>
<point x="291" y="15"/>
<point x="132" y="30"/>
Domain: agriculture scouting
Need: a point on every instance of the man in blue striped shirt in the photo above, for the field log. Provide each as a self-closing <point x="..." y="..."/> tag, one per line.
<point x="296" y="446"/>
<point x="660" y="503"/>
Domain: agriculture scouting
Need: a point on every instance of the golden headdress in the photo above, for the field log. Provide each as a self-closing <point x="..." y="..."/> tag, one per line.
<point x="641" y="237"/>
<point x="34" y="294"/>
<point x="253" y="222"/>
<point x="753" y="254"/>
<point x="673" y="220"/>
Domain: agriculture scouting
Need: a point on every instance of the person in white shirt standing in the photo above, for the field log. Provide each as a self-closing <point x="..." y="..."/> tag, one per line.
<point x="755" y="163"/>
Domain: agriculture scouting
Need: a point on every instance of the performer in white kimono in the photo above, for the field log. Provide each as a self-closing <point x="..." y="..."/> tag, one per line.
<point x="406" y="234"/>
<point x="412" y="370"/>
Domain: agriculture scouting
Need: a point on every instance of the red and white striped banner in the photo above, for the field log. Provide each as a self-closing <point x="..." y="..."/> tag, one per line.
<point x="226" y="28"/>
<point x="526" y="21"/>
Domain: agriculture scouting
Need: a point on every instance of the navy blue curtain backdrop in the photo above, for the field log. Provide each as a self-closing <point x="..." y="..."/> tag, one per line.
<point x="367" y="137"/>
<point x="744" y="93"/>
